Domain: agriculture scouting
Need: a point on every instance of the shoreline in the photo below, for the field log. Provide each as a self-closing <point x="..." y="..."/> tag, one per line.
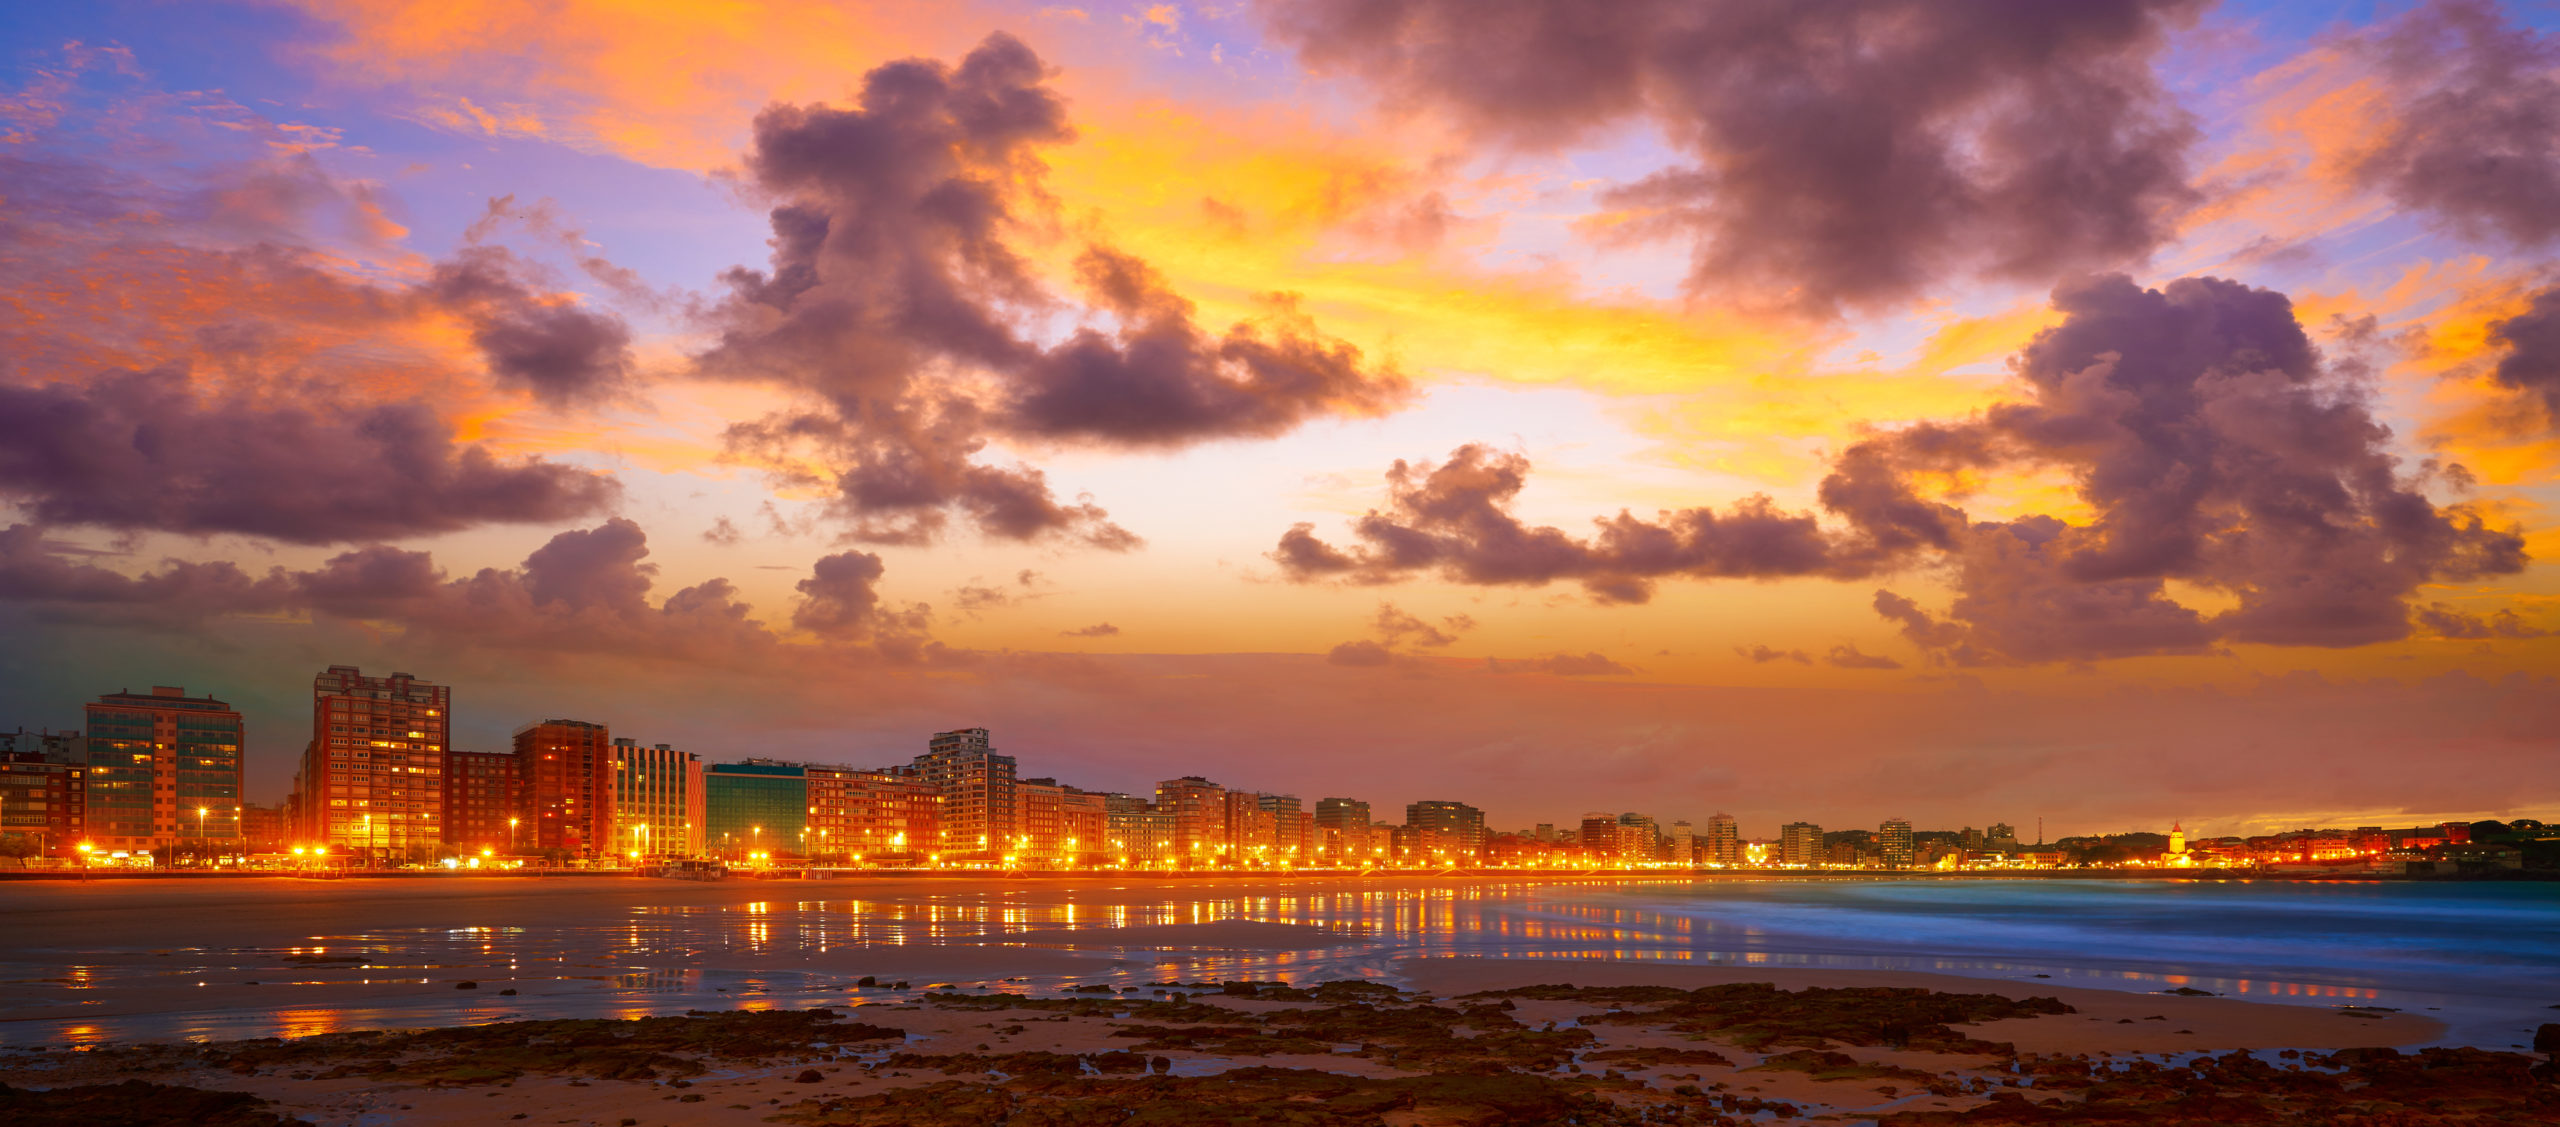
<point x="222" y="959"/>
<point x="1296" y="875"/>
<point x="1472" y="1040"/>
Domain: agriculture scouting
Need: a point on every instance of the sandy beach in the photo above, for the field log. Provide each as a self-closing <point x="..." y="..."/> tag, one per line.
<point x="969" y="1001"/>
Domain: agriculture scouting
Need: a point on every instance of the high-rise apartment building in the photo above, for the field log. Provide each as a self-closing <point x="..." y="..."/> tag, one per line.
<point x="979" y="814"/>
<point x="1443" y="830"/>
<point x="1252" y="831"/>
<point x="1724" y="841"/>
<point x="565" y="783"/>
<point x="44" y="801"/>
<point x="1800" y="845"/>
<point x="372" y="777"/>
<point x="1893" y="843"/>
<point x="163" y="769"/>
<point x="1598" y="837"/>
<point x="1342" y="829"/>
<point x="1142" y="834"/>
<point x="1639" y="839"/>
<point x="482" y="806"/>
<point x="657" y="802"/>
<point x="1039" y="824"/>
<point x="754" y="811"/>
<point x="1292" y="829"/>
<point x="1084" y="817"/>
<point x="1199" y="809"/>
<point x="1680" y="844"/>
<point x="869" y="813"/>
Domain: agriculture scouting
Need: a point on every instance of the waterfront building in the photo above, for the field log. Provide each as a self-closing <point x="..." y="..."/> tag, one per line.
<point x="1199" y="809"/>
<point x="1084" y="817"/>
<point x="870" y="813"/>
<point x="979" y="815"/>
<point x="163" y="769"/>
<point x="1342" y="828"/>
<point x="1800" y="845"/>
<point x="565" y="783"/>
<point x="1681" y="845"/>
<point x="1141" y="833"/>
<point x="754" y="811"/>
<point x="45" y="802"/>
<point x="1598" y="836"/>
<point x="372" y="777"/>
<point x="482" y="807"/>
<point x="1251" y="830"/>
<point x="655" y="802"/>
<point x="1724" y="841"/>
<point x="1444" y="830"/>
<point x="1893" y="843"/>
<point x="1639" y="839"/>
<point x="1040" y="833"/>
<point x="265" y="829"/>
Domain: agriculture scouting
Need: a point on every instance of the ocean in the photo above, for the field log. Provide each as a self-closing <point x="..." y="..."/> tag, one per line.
<point x="166" y="960"/>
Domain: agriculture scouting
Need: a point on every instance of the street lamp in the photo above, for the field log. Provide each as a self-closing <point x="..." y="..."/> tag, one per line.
<point x="199" y="835"/>
<point x="511" y="835"/>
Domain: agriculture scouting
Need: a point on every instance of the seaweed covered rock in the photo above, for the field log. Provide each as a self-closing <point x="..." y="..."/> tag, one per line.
<point x="1255" y="1096"/>
<point x="136" y="1103"/>
<point x="2376" y="1087"/>
<point x="1758" y="1015"/>
<point x="648" y="1048"/>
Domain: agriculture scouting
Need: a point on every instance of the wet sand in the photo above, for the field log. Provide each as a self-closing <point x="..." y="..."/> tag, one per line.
<point x="2108" y="1021"/>
<point x="247" y="957"/>
<point x="1098" y="963"/>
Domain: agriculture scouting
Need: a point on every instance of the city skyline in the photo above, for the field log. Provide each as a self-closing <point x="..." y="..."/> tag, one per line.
<point x="2124" y="413"/>
<point x="461" y="797"/>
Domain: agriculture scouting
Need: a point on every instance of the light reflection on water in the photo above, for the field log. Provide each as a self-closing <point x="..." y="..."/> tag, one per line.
<point x="2410" y="946"/>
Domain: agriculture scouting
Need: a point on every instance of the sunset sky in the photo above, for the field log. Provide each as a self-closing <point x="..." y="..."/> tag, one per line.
<point x="2113" y="412"/>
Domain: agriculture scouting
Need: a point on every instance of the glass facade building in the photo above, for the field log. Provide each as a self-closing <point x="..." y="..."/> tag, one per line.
<point x="750" y="808"/>
<point x="164" y="768"/>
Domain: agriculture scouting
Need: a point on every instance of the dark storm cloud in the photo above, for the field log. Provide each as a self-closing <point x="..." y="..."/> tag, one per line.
<point x="1845" y="154"/>
<point x="146" y="450"/>
<point x="1396" y="627"/>
<point x="2532" y="361"/>
<point x="561" y="351"/>
<point x="2446" y="622"/>
<point x="1455" y="519"/>
<point x="35" y="570"/>
<point x="2471" y="133"/>
<point x="1162" y="381"/>
<point x="2216" y="448"/>
<point x="896" y="300"/>
<point x="841" y="603"/>
<point x="204" y="363"/>
<point x="585" y="590"/>
<point x="2202" y="427"/>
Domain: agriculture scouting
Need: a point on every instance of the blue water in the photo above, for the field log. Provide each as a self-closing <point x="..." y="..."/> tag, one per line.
<point x="97" y="963"/>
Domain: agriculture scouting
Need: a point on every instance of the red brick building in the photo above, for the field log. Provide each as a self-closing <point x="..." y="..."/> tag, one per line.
<point x="480" y="803"/>
<point x="372" y="777"/>
<point x="565" y="786"/>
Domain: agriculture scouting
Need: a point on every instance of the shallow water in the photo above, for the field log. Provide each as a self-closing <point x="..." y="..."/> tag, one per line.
<point x="164" y="960"/>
